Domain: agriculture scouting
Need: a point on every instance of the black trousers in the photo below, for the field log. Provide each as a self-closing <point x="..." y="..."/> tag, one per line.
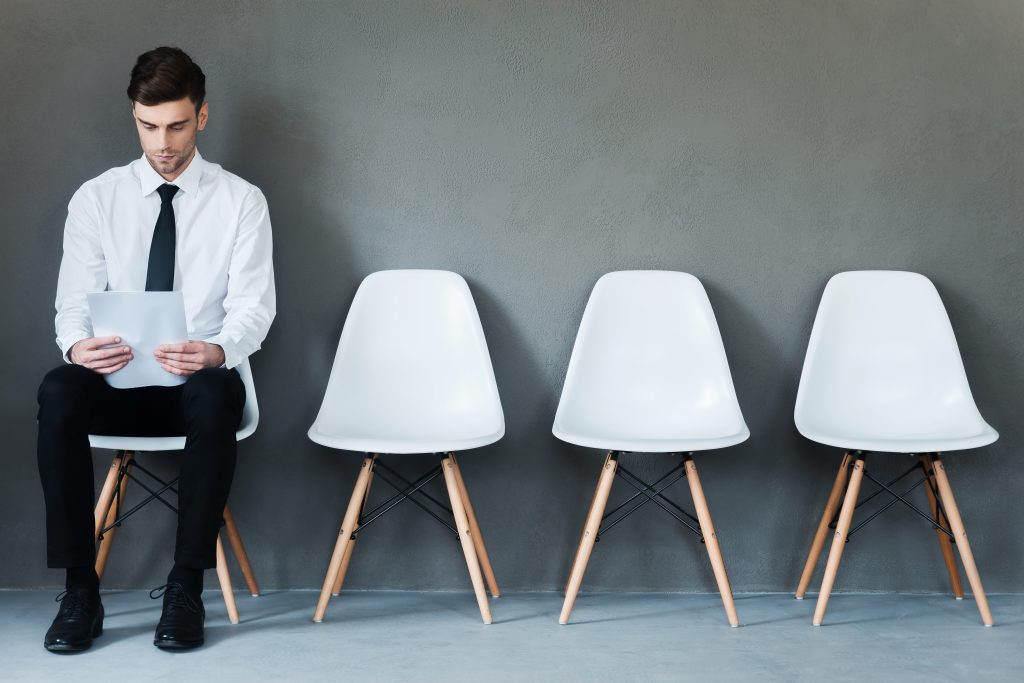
<point x="75" y="402"/>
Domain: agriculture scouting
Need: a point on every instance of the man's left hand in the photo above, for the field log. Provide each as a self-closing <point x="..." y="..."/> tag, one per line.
<point x="185" y="359"/>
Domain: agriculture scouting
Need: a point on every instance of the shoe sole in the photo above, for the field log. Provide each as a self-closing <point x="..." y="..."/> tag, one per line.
<point x="66" y="648"/>
<point x="177" y="644"/>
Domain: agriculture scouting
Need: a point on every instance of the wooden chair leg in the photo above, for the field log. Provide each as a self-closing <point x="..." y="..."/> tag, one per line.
<point x="711" y="540"/>
<point x="238" y="548"/>
<point x="944" y="543"/>
<point x="839" y="539"/>
<point x="107" y="494"/>
<point x="466" y="537"/>
<point x="478" y="537"/>
<point x="348" y="525"/>
<point x="108" y="538"/>
<point x="590" y="509"/>
<point x="834" y="497"/>
<point x="225" y="583"/>
<point x="350" y="548"/>
<point x="590" y="529"/>
<point x="956" y="525"/>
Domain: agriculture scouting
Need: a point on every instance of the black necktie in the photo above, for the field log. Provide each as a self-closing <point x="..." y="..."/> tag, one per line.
<point x="160" y="276"/>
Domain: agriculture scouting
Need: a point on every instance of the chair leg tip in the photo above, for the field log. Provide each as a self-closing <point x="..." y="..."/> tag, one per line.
<point x="563" y="622"/>
<point x="799" y="597"/>
<point x="334" y="595"/>
<point x="988" y="625"/>
<point x="815" y="623"/>
<point x="959" y="597"/>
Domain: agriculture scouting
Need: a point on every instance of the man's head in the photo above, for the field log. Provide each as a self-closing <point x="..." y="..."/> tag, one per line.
<point x="167" y="91"/>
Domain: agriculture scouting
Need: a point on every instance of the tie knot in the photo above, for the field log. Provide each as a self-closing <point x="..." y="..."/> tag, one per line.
<point x="167" y="192"/>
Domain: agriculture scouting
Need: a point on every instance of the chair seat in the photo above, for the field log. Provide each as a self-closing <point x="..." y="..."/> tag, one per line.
<point x="925" y="443"/>
<point x="148" y="444"/>
<point x="398" y="446"/>
<point x="678" y="444"/>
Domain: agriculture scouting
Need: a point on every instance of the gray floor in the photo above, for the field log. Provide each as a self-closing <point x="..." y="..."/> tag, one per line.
<point x="404" y="636"/>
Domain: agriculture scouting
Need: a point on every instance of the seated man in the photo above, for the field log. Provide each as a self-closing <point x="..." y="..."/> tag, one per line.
<point x="168" y="221"/>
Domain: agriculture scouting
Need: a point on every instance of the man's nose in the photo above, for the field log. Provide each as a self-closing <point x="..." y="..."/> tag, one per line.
<point x="163" y="138"/>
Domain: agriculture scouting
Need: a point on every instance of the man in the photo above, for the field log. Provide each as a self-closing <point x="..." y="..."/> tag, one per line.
<point x="168" y="221"/>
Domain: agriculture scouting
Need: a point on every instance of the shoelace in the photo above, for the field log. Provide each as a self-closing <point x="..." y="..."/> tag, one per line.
<point x="72" y="604"/>
<point x="177" y="596"/>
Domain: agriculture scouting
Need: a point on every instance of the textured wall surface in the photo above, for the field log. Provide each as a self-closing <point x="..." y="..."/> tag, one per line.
<point x="533" y="147"/>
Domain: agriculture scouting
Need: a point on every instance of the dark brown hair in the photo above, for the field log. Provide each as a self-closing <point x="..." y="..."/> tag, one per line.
<point x="166" y="74"/>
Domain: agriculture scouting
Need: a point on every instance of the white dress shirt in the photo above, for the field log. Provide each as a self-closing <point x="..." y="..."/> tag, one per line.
<point x="222" y="253"/>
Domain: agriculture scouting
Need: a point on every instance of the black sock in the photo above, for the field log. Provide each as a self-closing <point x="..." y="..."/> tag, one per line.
<point x="190" y="579"/>
<point x="82" y="578"/>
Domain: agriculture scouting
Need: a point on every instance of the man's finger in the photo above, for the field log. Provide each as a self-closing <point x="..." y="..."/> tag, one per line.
<point x="176" y="371"/>
<point x="112" y="369"/>
<point x="108" y="362"/>
<point x="183" y="347"/>
<point x="187" y="357"/>
<point x="99" y="354"/>
<point x="96" y="342"/>
<point x="182" y="364"/>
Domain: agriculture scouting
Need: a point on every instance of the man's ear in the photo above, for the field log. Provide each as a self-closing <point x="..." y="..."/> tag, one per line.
<point x="204" y="113"/>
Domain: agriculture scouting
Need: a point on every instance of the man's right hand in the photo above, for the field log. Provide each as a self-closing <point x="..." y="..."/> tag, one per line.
<point x="88" y="353"/>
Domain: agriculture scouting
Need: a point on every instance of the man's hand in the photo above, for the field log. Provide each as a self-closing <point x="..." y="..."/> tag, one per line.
<point x="185" y="359"/>
<point x="88" y="353"/>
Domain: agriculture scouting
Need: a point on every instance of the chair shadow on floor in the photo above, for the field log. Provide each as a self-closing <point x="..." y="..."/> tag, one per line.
<point x="679" y="605"/>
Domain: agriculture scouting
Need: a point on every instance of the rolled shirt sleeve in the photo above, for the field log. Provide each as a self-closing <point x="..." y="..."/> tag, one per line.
<point x="83" y="269"/>
<point x="250" y="303"/>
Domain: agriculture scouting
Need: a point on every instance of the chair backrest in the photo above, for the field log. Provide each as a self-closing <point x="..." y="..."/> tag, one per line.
<point x="412" y="373"/>
<point x="648" y="366"/>
<point x="883" y="363"/>
<point x="250" y="419"/>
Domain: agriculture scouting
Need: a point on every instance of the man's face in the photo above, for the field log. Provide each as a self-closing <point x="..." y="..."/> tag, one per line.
<point x="167" y="132"/>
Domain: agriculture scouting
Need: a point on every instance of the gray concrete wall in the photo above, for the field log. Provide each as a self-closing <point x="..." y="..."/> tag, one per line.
<point x="533" y="147"/>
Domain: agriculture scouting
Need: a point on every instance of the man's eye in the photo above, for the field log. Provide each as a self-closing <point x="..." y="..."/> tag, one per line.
<point x="177" y="127"/>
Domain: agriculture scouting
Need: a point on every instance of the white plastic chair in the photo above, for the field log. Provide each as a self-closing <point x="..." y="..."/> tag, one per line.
<point x="883" y="374"/>
<point x="108" y="507"/>
<point x="648" y="373"/>
<point x="412" y="374"/>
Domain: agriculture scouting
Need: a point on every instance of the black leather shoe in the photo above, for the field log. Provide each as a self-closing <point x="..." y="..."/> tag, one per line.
<point x="78" y="621"/>
<point x="181" y="623"/>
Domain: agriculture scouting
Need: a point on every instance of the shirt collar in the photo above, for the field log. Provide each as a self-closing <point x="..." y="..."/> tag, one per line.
<point x="187" y="182"/>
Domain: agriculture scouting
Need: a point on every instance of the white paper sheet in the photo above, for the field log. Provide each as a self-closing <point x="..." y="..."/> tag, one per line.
<point x="143" y="321"/>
